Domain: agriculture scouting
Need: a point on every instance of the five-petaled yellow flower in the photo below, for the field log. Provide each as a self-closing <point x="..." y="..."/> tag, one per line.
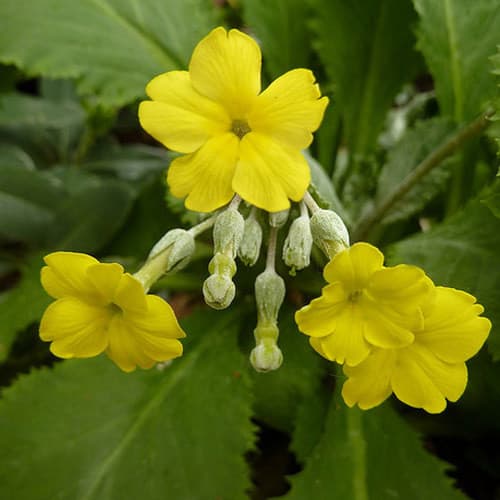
<point x="234" y="138"/>
<point x="364" y="305"/>
<point x="101" y="308"/>
<point x="432" y="368"/>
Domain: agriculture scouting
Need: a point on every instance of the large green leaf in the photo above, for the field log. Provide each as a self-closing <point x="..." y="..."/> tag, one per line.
<point x="113" y="47"/>
<point x="492" y="198"/>
<point x="370" y="455"/>
<point x="457" y="37"/>
<point x="416" y="145"/>
<point x="367" y="50"/>
<point x="85" y="430"/>
<point x="461" y="253"/>
<point x="22" y="305"/>
<point x="282" y="30"/>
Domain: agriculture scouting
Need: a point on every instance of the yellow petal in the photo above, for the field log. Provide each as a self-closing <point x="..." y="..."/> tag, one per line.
<point x="354" y="266"/>
<point x="319" y="318"/>
<point x="268" y="174"/>
<point x="347" y="343"/>
<point x="76" y="329"/>
<point x="179" y="117"/>
<point x="206" y="176"/>
<point x="406" y="286"/>
<point x="422" y="380"/>
<point x="289" y="110"/>
<point x="369" y="383"/>
<point x="66" y="275"/>
<point x="225" y="67"/>
<point x="105" y="278"/>
<point x="130" y="295"/>
<point x="453" y="330"/>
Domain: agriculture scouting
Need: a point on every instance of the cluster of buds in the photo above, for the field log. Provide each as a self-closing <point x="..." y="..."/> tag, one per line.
<point x="237" y="237"/>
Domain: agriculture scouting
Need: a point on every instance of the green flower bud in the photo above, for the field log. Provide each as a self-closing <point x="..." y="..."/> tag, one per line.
<point x="298" y="244"/>
<point x="269" y="295"/>
<point x="228" y="232"/>
<point x="178" y="247"/>
<point x="223" y="265"/>
<point x="329" y="232"/>
<point x="266" y="356"/>
<point x="278" y="219"/>
<point x="218" y="291"/>
<point x="251" y="242"/>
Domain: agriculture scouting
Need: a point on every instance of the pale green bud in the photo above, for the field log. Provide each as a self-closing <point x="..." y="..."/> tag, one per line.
<point x="329" y="232"/>
<point x="269" y="295"/>
<point x="266" y="356"/>
<point x="298" y="244"/>
<point x="278" y="219"/>
<point x="222" y="264"/>
<point x="177" y="246"/>
<point x="249" y="249"/>
<point x="228" y="231"/>
<point x="218" y="291"/>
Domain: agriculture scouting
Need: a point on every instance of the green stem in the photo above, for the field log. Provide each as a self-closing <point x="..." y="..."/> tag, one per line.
<point x="445" y="150"/>
<point x="358" y="447"/>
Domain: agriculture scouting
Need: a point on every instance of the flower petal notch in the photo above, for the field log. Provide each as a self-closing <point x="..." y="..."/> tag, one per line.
<point x="235" y="139"/>
<point x="364" y="306"/>
<point x="432" y="369"/>
<point x="100" y="308"/>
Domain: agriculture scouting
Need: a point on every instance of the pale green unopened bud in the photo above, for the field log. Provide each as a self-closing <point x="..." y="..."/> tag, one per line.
<point x="218" y="291"/>
<point x="177" y="246"/>
<point x="228" y="231"/>
<point x="298" y="244"/>
<point x="269" y="295"/>
<point x="251" y="242"/>
<point x="266" y="356"/>
<point x="278" y="219"/>
<point x="222" y="264"/>
<point x="329" y="232"/>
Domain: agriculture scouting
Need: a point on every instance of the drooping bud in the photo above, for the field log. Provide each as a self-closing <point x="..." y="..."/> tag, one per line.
<point x="269" y="295"/>
<point x="278" y="219"/>
<point x="228" y="232"/>
<point x="329" y="232"/>
<point x="298" y="244"/>
<point x="251" y="242"/>
<point x="170" y="254"/>
<point x="218" y="291"/>
<point x="266" y="356"/>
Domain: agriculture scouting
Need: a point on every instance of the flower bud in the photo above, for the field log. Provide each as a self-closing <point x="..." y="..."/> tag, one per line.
<point x="329" y="232"/>
<point x="269" y="295"/>
<point x="249" y="249"/>
<point x="218" y="291"/>
<point x="223" y="265"/>
<point x="228" y="231"/>
<point x="178" y="247"/>
<point x="266" y="356"/>
<point x="278" y="219"/>
<point x="298" y="244"/>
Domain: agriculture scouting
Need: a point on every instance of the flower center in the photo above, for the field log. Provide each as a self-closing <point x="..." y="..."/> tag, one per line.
<point x="115" y="309"/>
<point x="240" y="128"/>
<point x="354" y="296"/>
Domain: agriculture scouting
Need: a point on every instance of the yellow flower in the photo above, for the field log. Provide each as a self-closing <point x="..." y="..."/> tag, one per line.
<point x="101" y="308"/>
<point x="365" y="305"/>
<point x="432" y="369"/>
<point x="234" y="138"/>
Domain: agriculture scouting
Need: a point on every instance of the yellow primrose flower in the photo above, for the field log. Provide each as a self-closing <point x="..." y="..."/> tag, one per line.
<point x="432" y="369"/>
<point x="364" y="305"/>
<point x="234" y="138"/>
<point x="101" y="308"/>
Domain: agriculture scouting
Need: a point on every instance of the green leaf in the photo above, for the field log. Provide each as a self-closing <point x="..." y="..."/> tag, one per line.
<point x="112" y="47"/>
<point x="461" y="253"/>
<point x="22" y="305"/>
<point x="89" y="218"/>
<point x="415" y="145"/>
<point x="278" y="393"/>
<point x="492" y="198"/>
<point x="93" y="432"/>
<point x="282" y="31"/>
<point x="28" y="203"/>
<point x="449" y="34"/>
<point x="370" y="455"/>
<point x="367" y="51"/>
<point x="13" y="155"/>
